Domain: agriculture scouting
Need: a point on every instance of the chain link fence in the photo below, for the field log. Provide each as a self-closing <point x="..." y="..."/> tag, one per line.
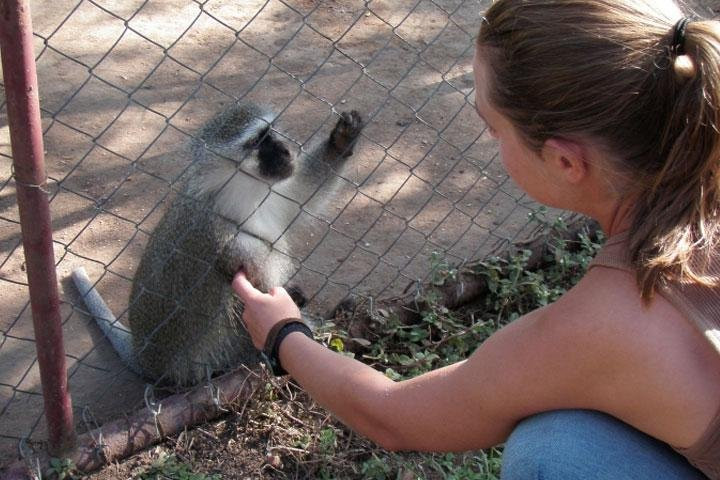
<point x="125" y="85"/>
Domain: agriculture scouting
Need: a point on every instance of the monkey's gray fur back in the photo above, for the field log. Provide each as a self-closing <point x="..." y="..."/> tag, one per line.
<point x="185" y="320"/>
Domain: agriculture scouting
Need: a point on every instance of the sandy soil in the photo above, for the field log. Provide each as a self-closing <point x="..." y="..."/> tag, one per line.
<point x="125" y="83"/>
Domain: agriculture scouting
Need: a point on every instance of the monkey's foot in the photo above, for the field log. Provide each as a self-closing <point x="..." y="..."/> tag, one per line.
<point x="297" y="295"/>
<point x="345" y="309"/>
<point x="346" y="132"/>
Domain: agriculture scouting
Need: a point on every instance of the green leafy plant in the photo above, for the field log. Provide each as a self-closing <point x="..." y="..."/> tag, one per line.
<point x="375" y="468"/>
<point x="61" y="468"/>
<point x="515" y="289"/>
<point x="167" y="467"/>
<point x="481" y="465"/>
<point x="444" y="336"/>
<point x="327" y="441"/>
<point x="440" y="270"/>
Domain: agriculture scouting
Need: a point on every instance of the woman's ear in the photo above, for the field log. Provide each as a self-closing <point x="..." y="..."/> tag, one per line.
<point x="567" y="159"/>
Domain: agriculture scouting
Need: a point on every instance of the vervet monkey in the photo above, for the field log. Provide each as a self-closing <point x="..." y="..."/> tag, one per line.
<point x="242" y="192"/>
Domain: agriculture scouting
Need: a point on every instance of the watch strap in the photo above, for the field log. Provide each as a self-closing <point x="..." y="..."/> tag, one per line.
<point x="275" y="337"/>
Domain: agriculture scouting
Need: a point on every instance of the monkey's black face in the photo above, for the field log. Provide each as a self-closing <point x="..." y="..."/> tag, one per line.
<point x="274" y="157"/>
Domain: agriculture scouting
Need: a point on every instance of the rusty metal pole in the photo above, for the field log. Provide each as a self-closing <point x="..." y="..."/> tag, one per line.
<point x="23" y="110"/>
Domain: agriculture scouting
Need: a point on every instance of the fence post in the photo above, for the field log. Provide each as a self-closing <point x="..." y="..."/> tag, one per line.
<point x="23" y="110"/>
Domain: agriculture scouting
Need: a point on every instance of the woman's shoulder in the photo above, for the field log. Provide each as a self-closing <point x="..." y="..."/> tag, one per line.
<point x="609" y="286"/>
<point x="651" y="352"/>
<point x="609" y="292"/>
<point x="608" y="300"/>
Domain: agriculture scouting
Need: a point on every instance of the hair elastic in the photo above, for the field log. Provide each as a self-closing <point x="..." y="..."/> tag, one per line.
<point x="678" y="42"/>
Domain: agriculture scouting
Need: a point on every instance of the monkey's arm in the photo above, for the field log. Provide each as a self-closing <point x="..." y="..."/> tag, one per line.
<point x="240" y="250"/>
<point x="232" y="251"/>
<point x="334" y="152"/>
<point x="345" y="134"/>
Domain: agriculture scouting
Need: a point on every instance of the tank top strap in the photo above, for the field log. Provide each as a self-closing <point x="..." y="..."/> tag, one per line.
<point x="614" y="254"/>
<point x="705" y="453"/>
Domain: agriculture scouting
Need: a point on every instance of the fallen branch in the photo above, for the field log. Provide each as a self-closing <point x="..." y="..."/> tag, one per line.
<point x="119" y="439"/>
<point x="468" y="285"/>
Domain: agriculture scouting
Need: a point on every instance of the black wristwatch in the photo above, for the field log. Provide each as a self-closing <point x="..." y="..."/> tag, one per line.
<point x="275" y="337"/>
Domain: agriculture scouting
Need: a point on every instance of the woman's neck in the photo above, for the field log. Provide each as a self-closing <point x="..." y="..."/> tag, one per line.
<point x="618" y="217"/>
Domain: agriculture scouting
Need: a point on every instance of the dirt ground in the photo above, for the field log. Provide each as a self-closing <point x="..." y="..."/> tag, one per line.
<point x="124" y="84"/>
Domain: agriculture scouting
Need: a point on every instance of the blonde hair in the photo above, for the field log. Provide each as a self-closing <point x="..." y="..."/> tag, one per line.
<point x="607" y="70"/>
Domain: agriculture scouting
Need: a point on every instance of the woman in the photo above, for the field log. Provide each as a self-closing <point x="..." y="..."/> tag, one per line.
<point x="608" y="108"/>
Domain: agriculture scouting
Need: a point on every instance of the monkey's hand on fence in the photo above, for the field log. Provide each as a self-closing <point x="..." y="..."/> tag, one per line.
<point x="263" y="310"/>
<point x="346" y="132"/>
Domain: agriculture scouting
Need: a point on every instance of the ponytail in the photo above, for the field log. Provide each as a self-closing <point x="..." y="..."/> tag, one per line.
<point x="677" y="221"/>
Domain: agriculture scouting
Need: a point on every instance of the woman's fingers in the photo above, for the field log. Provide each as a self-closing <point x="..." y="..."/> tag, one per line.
<point x="244" y="288"/>
<point x="261" y="311"/>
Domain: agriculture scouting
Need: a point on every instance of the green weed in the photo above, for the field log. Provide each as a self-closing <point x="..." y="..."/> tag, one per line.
<point x="168" y="467"/>
<point x="444" y="336"/>
<point x="61" y="468"/>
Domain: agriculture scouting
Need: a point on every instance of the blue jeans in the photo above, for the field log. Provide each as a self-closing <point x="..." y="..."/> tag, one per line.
<point x="588" y="445"/>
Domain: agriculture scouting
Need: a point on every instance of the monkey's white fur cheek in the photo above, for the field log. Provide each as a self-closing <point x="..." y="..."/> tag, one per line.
<point x="239" y="194"/>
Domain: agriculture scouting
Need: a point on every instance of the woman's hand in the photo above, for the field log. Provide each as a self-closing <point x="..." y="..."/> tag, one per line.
<point x="263" y="310"/>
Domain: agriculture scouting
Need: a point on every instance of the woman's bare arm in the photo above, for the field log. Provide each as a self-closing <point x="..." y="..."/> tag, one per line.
<point x="576" y="353"/>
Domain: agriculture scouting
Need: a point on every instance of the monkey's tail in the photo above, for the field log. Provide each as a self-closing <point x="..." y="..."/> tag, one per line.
<point x="120" y="337"/>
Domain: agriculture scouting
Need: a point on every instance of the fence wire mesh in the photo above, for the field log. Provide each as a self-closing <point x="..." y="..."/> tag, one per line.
<point x="126" y="85"/>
